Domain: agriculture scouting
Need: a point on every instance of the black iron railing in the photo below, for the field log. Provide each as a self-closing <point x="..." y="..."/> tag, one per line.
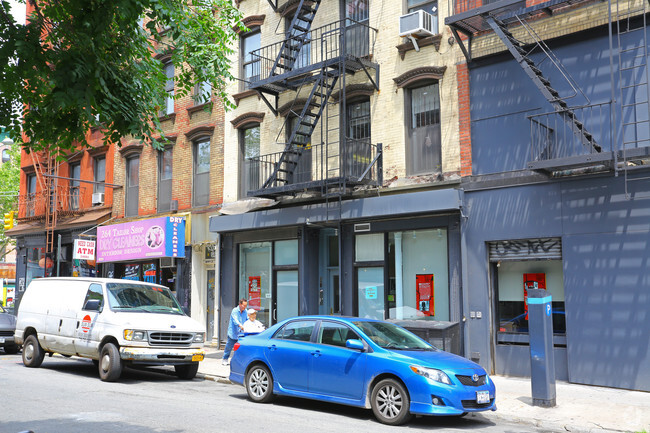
<point x="348" y="38"/>
<point x="552" y="137"/>
<point x="358" y="163"/>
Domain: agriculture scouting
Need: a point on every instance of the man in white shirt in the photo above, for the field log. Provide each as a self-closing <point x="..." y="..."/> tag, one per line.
<point x="252" y="325"/>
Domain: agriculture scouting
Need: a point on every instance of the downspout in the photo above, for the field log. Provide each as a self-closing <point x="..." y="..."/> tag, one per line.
<point x="217" y="291"/>
<point x="464" y="282"/>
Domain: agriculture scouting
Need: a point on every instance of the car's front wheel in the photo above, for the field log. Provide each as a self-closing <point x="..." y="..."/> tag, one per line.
<point x="33" y="353"/>
<point x="390" y="402"/>
<point x="187" y="371"/>
<point x="110" y="363"/>
<point x="259" y="384"/>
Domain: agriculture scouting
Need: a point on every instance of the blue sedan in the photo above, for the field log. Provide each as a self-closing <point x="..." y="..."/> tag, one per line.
<point x="359" y="362"/>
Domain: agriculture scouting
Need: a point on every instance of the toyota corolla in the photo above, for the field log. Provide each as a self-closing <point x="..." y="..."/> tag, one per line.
<point x="360" y="362"/>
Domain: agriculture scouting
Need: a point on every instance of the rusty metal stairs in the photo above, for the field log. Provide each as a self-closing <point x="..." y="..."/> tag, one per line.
<point x="521" y="55"/>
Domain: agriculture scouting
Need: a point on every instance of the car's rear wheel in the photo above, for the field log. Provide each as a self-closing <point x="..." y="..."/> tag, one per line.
<point x="187" y="371"/>
<point x="33" y="353"/>
<point x="259" y="384"/>
<point x="110" y="363"/>
<point x="390" y="402"/>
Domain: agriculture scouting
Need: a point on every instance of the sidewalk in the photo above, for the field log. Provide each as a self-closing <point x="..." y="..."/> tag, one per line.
<point x="580" y="408"/>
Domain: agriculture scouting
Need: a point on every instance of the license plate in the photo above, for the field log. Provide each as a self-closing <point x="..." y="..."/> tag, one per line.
<point x="482" y="397"/>
<point x="2" y="339"/>
<point x="197" y="357"/>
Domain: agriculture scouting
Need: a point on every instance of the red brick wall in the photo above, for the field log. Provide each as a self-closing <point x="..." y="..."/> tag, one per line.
<point x="464" y="120"/>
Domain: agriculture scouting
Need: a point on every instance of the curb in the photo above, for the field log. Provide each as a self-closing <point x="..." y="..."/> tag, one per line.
<point x="548" y="425"/>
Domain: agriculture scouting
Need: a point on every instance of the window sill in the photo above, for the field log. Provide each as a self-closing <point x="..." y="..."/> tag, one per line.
<point x="171" y="116"/>
<point x="424" y="42"/>
<point x="242" y="95"/>
<point x="197" y="108"/>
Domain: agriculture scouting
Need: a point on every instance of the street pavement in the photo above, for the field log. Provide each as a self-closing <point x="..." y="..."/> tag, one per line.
<point x="580" y="408"/>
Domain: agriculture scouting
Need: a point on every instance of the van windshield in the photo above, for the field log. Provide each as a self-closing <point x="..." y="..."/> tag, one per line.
<point x="139" y="297"/>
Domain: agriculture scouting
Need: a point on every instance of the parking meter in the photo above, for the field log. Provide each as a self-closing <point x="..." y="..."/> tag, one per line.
<point x="542" y="361"/>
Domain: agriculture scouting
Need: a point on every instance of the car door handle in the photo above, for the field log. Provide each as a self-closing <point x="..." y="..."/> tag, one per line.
<point x="316" y="353"/>
<point x="272" y="347"/>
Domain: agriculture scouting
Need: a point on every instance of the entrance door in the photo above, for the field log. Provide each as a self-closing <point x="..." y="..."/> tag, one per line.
<point x="330" y="295"/>
<point x="285" y="295"/>
<point x="370" y="283"/>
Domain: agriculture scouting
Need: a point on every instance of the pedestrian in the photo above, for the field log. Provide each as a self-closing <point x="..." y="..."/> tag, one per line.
<point x="235" y="326"/>
<point x="252" y="325"/>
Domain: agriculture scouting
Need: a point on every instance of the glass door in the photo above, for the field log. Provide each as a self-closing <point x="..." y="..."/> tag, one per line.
<point x="371" y="300"/>
<point x="285" y="298"/>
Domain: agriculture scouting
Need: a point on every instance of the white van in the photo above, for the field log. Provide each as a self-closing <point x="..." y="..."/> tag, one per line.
<point x="115" y="323"/>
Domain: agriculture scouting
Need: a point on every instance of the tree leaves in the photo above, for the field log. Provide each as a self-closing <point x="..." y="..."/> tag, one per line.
<point x="92" y="63"/>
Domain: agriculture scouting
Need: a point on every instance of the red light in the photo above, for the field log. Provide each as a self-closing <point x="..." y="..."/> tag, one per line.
<point x="236" y="346"/>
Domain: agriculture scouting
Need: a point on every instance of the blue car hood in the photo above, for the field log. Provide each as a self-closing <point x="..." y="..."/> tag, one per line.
<point x="440" y="360"/>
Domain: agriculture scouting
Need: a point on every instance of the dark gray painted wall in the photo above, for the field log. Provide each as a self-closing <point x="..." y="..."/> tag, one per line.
<point x="606" y="257"/>
<point x="501" y="96"/>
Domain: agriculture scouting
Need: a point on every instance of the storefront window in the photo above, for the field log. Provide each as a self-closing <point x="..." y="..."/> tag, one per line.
<point x="35" y="260"/>
<point x="287" y="288"/>
<point x="514" y="278"/>
<point x="255" y="278"/>
<point x="369" y="247"/>
<point x="286" y="252"/>
<point x="418" y="275"/>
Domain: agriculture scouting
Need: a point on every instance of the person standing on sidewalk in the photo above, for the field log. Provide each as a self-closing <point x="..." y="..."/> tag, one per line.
<point x="235" y="326"/>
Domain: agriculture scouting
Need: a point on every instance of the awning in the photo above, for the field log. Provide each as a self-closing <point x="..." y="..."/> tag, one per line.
<point x="66" y="222"/>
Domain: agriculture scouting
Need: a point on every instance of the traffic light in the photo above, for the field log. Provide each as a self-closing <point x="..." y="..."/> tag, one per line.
<point x="9" y="220"/>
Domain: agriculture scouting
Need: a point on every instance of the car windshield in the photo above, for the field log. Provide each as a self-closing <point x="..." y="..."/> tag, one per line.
<point x="389" y="336"/>
<point x="140" y="297"/>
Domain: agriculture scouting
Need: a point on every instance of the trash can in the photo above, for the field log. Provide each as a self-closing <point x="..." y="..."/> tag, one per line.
<point x="443" y="335"/>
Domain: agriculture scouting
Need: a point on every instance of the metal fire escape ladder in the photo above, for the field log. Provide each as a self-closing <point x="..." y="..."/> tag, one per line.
<point x="304" y="127"/>
<point x="44" y="166"/>
<point x="543" y="84"/>
<point x="296" y="37"/>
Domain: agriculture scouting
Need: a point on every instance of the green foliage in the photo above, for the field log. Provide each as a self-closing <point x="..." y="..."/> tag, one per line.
<point x="92" y="63"/>
<point x="9" y="184"/>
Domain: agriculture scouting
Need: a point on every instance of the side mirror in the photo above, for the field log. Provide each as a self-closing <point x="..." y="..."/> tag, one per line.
<point x="93" y="305"/>
<point x="355" y="344"/>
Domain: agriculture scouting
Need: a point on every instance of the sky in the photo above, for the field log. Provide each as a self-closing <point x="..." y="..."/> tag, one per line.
<point x="18" y="10"/>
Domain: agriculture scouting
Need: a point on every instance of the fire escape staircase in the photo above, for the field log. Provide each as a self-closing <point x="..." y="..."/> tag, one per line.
<point x="544" y="85"/>
<point x="304" y="127"/>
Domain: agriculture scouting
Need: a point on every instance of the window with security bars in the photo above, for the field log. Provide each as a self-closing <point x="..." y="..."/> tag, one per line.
<point x="424" y="152"/>
<point x="358" y="152"/>
<point x="357" y="32"/>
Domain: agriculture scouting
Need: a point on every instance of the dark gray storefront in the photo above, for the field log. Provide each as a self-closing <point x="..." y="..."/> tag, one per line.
<point x="605" y="257"/>
<point x="399" y="258"/>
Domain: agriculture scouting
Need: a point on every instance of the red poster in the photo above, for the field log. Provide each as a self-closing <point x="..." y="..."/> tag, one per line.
<point x="424" y="294"/>
<point x="532" y="281"/>
<point x="255" y="292"/>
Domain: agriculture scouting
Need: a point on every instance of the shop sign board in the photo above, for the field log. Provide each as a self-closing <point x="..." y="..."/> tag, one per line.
<point x="83" y="250"/>
<point x="143" y="239"/>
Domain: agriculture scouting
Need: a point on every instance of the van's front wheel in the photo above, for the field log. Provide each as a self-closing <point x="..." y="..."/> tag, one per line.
<point x="110" y="363"/>
<point x="33" y="353"/>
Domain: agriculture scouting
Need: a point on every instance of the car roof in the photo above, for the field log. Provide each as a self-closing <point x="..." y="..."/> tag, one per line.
<point x="97" y="280"/>
<point x="347" y="319"/>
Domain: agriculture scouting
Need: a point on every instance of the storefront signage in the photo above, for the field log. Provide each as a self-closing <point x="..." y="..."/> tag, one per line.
<point x="83" y="250"/>
<point x="152" y="238"/>
<point x="526" y="249"/>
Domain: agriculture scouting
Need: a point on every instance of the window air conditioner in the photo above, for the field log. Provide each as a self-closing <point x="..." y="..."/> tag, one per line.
<point x="98" y="198"/>
<point x="418" y="23"/>
<point x="167" y="262"/>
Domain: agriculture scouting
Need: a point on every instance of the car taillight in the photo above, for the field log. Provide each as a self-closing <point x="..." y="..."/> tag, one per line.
<point x="235" y="347"/>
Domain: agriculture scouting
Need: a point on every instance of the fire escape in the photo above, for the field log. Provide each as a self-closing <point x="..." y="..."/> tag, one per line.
<point x="570" y="137"/>
<point x="318" y="154"/>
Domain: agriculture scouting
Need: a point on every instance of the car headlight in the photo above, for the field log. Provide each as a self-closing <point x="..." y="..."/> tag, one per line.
<point x="135" y="335"/>
<point x="431" y="374"/>
<point x="199" y="337"/>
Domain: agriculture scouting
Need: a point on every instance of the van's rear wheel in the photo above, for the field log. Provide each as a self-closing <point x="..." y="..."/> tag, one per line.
<point x="110" y="363"/>
<point x="187" y="371"/>
<point x="33" y="353"/>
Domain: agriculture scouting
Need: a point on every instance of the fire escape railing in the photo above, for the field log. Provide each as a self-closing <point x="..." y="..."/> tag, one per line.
<point x="69" y="199"/>
<point x="356" y="164"/>
<point x="322" y="46"/>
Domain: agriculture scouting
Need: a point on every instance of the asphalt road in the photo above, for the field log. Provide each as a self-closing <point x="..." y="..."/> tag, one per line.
<point x="66" y="396"/>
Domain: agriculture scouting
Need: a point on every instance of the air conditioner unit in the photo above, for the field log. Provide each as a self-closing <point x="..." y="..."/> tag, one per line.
<point x="167" y="262"/>
<point x="98" y="198"/>
<point x="418" y="23"/>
